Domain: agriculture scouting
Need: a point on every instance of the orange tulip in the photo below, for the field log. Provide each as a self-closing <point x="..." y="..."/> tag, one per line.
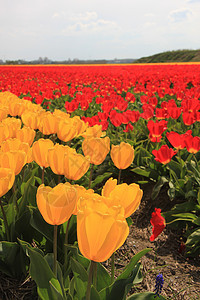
<point x="96" y="148"/>
<point x="75" y="165"/>
<point x="128" y="196"/>
<point x="101" y="230"/>
<point x="56" y="157"/>
<point x="57" y="204"/>
<point x="14" y="160"/>
<point x="122" y="155"/>
<point x="26" y="135"/>
<point x="7" y="178"/>
<point x="40" y="151"/>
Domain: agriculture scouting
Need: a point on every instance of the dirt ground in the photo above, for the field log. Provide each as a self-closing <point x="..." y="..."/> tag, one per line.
<point x="181" y="274"/>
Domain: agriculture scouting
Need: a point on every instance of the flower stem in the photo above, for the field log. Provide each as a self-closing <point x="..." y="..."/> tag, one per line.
<point x="92" y="266"/>
<point x="43" y="168"/>
<point x="91" y="171"/>
<point x="14" y="197"/>
<point x="112" y="267"/>
<point x="55" y="250"/>
<point x="119" y="176"/>
<point x="66" y="243"/>
<point x="5" y="221"/>
<point x="95" y="275"/>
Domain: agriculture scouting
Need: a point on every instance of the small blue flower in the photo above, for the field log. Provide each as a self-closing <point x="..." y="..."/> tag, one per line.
<point x="158" y="285"/>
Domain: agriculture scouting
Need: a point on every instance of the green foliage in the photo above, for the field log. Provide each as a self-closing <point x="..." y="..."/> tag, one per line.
<point x="171" y="56"/>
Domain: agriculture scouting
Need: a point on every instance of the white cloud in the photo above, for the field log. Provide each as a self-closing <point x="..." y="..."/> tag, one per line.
<point x="193" y="1"/>
<point x="89" y="23"/>
<point x="180" y="15"/>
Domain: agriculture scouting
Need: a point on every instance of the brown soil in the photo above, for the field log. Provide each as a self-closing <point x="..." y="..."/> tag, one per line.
<point x="181" y="274"/>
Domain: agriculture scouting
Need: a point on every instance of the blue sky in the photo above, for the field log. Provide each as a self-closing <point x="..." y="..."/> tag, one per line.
<point x="96" y="29"/>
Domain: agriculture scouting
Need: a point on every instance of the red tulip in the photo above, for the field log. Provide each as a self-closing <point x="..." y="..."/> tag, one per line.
<point x="158" y="223"/>
<point x="178" y="140"/>
<point x="164" y="154"/>
<point x="192" y="144"/>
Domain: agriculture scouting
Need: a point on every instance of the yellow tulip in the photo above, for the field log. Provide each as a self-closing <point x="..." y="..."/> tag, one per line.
<point x="14" y="160"/>
<point x="57" y="204"/>
<point x="26" y="134"/>
<point x="40" y="151"/>
<point x="16" y="108"/>
<point x="66" y="132"/>
<point x="128" y="196"/>
<point x="79" y="124"/>
<point x="96" y="148"/>
<point x="48" y="123"/>
<point x="7" y="178"/>
<point x="56" y="157"/>
<point x="61" y="114"/>
<point x="75" y="165"/>
<point x="14" y="145"/>
<point x="80" y="193"/>
<point x="4" y="132"/>
<point x="30" y="119"/>
<point x="122" y="155"/>
<point x="94" y="131"/>
<point x="3" y="113"/>
<point x="101" y="230"/>
<point x="13" y="125"/>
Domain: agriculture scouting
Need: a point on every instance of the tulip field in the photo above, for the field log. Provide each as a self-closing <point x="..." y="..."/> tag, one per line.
<point x="79" y="144"/>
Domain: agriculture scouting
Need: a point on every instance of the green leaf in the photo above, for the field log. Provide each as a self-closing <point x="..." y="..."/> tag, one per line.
<point x="128" y="269"/>
<point x="158" y="186"/>
<point x="13" y="260"/>
<point x="193" y="238"/>
<point x="38" y="223"/>
<point x="80" y="258"/>
<point x="47" y="284"/>
<point x="131" y="275"/>
<point x="54" y="285"/>
<point x="77" y="268"/>
<point x="175" y="167"/>
<point x="100" y="178"/>
<point x="120" y="287"/>
<point x="141" y="171"/>
<point x="103" y="277"/>
<point x="94" y="295"/>
<point x="197" y="221"/>
<point x="129" y="221"/>
<point x="80" y="288"/>
<point x="186" y="216"/>
<point x="145" y="296"/>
